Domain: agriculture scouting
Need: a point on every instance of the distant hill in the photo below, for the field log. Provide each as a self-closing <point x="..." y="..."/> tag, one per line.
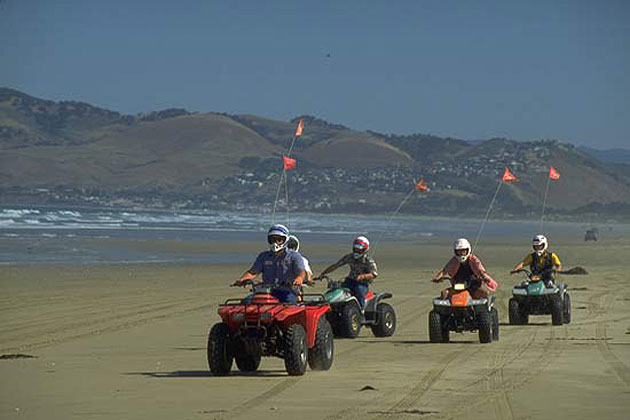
<point x="75" y="153"/>
<point x="609" y="155"/>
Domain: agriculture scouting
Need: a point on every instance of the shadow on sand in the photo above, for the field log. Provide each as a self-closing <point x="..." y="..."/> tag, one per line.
<point x="416" y="342"/>
<point x="208" y="374"/>
<point x="529" y="324"/>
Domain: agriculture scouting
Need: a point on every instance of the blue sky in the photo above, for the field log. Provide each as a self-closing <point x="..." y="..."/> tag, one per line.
<point x="524" y="70"/>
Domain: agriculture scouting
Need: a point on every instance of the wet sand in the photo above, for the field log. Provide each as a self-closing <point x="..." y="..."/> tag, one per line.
<point x="129" y="342"/>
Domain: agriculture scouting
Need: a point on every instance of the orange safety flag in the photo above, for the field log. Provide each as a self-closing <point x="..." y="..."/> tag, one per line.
<point x="508" y="176"/>
<point x="300" y="127"/>
<point x="553" y="174"/>
<point x="288" y="163"/>
<point x="421" y="186"/>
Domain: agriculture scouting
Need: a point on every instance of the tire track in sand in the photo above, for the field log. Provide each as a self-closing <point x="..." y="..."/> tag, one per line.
<point x="289" y="382"/>
<point x="528" y="364"/>
<point x="598" y="309"/>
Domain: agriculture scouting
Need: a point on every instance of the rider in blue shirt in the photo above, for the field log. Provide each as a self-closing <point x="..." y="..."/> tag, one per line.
<point x="282" y="268"/>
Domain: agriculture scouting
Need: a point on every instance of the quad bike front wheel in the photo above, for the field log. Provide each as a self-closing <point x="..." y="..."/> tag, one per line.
<point x="495" y="324"/>
<point x="350" y="325"/>
<point x="484" y="323"/>
<point x="437" y="332"/>
<point x="320" y="357"/>
<point x="219" y="349"/>
<point x="295" y="350"/>
<point x="385" y="321"/>
<point x="557" y="310"/>
<point x="514" y="312"/>
<point x="567" y="308"/>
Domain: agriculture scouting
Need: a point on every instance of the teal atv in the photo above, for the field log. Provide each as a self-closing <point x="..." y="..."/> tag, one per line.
<point x="345" y="314"/>
<point x="533" y="297"/>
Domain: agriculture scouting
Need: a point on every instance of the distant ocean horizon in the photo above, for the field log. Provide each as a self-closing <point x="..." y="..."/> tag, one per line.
<point x="48" y="234"/>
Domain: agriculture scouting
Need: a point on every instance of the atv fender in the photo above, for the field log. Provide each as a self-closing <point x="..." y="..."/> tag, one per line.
<point x="307" y="318"/>
<point x="372" y="304"/>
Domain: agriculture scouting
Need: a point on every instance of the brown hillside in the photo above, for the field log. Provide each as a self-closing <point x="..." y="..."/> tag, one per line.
<point x="351" y="149"/>
<point x="167" y="153"/>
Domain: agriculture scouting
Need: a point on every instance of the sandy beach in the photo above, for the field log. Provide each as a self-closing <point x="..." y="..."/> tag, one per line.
<point x="129" y="341"/>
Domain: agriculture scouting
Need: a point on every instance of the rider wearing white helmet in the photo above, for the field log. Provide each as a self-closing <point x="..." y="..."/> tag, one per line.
<point x="282" y="268"/>
<point x="541" y="262"/>
<point x="464" y="266"/>
<point x="294" y="243"/>
<point x="362" y="269"/>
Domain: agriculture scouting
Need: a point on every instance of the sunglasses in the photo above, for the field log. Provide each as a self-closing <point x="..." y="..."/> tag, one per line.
<point x="274" y="239"/>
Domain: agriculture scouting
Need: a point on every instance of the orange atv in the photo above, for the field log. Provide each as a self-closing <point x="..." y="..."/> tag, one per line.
<point x="460" y="312"/>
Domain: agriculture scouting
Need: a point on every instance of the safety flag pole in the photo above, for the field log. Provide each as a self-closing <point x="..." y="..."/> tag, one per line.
<point x="506" y="178"/>
<point x="287" y="164"/>
<point x="553" y="174"/>
<point x="420" y="186"/>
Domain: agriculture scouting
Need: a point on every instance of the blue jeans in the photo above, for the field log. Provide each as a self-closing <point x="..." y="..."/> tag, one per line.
<point x="358" y="290"/>
<point x="285" y="296"/>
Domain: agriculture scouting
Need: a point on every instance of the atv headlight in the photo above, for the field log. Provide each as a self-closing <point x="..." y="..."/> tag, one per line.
<point x="535" y="278"/>
<point x="238" y="316"/>
<point x="459" y="286"/>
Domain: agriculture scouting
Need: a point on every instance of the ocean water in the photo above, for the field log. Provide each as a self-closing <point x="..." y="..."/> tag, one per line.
<point x="79" y="236"/>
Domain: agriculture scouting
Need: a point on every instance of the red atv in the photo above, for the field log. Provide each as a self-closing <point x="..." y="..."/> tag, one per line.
<point x="260" y="325"/>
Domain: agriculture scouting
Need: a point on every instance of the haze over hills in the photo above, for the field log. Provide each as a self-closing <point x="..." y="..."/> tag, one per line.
<point x="73" y="153"/>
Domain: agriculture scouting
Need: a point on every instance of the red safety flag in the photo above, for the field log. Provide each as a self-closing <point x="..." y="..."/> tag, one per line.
<point x="508" y="176"/>
<point x="553" y="174"/>
<point x="288" y="163"/>
<point x="300" y="127"/>
<point x="421" y="186"/>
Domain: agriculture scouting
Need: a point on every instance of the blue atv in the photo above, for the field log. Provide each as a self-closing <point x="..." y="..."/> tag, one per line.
<point x="533" y="297"/>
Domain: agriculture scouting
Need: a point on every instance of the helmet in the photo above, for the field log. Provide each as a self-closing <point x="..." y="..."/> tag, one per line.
<point x="460" y="245"/>
<point x="277" y="237"/>
<point x="539" y="243"/>
<point x="360" y="246"/>
<point x="293" y="243"/>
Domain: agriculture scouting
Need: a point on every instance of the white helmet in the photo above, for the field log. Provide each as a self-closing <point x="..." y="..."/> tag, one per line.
<point x="539" y="243"/>
<point x="360" y="246"/>
<point x="275" y="232"/>
<point x="293" y="243"/>
<point x="461" y="244"/>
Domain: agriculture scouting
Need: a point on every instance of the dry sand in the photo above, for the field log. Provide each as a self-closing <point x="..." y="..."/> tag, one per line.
<point x="129" y="342"/>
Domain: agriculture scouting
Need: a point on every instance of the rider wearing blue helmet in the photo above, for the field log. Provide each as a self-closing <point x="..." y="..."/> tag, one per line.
<point x="282" y="268"/>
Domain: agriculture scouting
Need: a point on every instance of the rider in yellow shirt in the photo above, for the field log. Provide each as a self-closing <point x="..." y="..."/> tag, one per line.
<point x="541" y="262"/>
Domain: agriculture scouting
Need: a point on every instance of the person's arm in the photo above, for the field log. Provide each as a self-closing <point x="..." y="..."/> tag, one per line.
<point x="333" y="267"/>
<point x="248" y="275"/>
<point x="438" y="276"/>
<point x="299" y="279"/>
<point x="481" y="271"/>
<point x="252" y="273"/>
<point x="517" y="267"/>
<point x="447" y="271"/>
<point x="365" y="277"/>
<point x="556" y="261"/>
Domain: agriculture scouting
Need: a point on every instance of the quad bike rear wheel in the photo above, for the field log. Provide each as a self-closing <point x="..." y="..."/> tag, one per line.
<point x="385" y="321"/>
<point x="320" y="357"/>
<point x="295" y="350"/>
<point x="484" y="323"/>
<point x="495" y="324"/>
<point x="219" y="349"/>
